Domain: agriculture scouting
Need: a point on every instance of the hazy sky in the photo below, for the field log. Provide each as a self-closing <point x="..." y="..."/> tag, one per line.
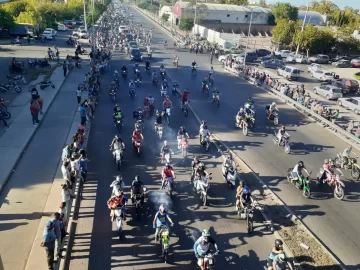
<point x="340" y="3"/>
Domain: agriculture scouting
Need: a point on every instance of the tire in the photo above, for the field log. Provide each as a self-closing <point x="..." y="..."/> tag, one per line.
<point x="245" y="130"/>
<point x="287" y="149"/>
<point x="3" y="89"/>
<point x="48" y="66"/>
<point x="18" y="89"/>
<point x="276" y="121"/>
<point x="6" y="115"/>
<point x="355" y="174"/>
<point x="204" y="199"/>
<point x="118" y="163"/>
<point x="339" y="103"/>
<point x="307" y="193"/>
<point x="340" y="194"/>
<point x="186" y="112"/>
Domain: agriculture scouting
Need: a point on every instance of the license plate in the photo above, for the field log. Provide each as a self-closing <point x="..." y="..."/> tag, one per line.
<point x="168" y="111"/>
<point x="138" y="144"/>
<point x="210" y="261"/>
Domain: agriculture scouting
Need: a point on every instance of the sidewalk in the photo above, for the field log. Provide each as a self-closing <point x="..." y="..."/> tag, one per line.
<point x="23" y="200"/>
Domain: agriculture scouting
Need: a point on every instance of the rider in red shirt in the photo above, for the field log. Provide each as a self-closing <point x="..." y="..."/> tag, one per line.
<point x="136" y="136"/>
<point x="167" y="171"/>
<point x="167" y="103"/>
<point x="146" y="102"/>
<point x="185" y="96"/>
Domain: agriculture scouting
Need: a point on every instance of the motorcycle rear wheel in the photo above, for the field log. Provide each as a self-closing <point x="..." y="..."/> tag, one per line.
<point x="287" y="149"/>
<point x="245" y="130"/>
<point x="355" y="174"/>
<point x="306" y="193"/>
<point x="276" y="121"/>
<point x="204" y="198"/>
<point x="339" y="193"/>
<point x="6" y="115"/>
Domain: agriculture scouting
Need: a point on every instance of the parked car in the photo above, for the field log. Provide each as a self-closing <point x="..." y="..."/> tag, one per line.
<point x="289" y="72"/>
<point x="62" y="27"/>
<point x="290" y="58"/>
<point x="350" y="103"/>
<point x="322" y="75"/>
<point x="262" y="52"/>
<point x="355" y="63"/>
<point x="314" y="67"/>
<point x="283" y="53"/>
<point x="338" y="57"/>
<point x="49" y="33"/>
<point x="82" y="34"/>
<point x="301" y="59"/>
<point x="349" y="85"/>
<point x="271" y="56"/>
<point x="250" y="57"/>
<point x="341" y="64"/>
<point x="320" y="59"/>
<point x="273" y="63"/>
<point x="135" y="54"/>
<point x="328" y="91"/>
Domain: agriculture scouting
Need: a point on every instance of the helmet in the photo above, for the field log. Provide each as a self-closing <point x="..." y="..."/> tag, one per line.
<point x="182" y="128"/>
<point x="119" y="178"/>
<point x="201" y="165"/>
<point x="203" y="122"/>
<point x="246" y="190"/>
<point x="131" y="81"/>
<point x="116" y="72"/>
<point x="241" y="109"/>
<point x="124" y="66"/>
<point x="167" y="165"/>
<point x="273" y="104"/>
<point x="278" y="244"/>
<point x="326" y="161"/>
<point x="301" y="163"/>
<point x="165" y="80"/>
<point x="157" y="112"/>
<point x="205" y="233"/>
<point x="282" y="128"/>
<point x="137" y="178"/>
<point x="241" y="184"/>
<point x="196" y="158"/>
<point x="139" y="109"/>
<point x="204" y="126"/>
<point x="205" y="78"/>
<point x="150" y="96"/>
<point x="161" y="207"/>
<point x="165" y="142"/>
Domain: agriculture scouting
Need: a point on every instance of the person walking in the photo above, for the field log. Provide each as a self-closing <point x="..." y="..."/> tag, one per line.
<point x="35" y="109"/>
<point x="65" y="68"/>
<point x="57" y="230"/>
<point x="78" y="95"/>
<point x="48" y="243"/>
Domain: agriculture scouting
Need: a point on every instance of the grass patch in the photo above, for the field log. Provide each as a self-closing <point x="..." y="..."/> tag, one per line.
<point x="357" y="76"/>
<point x="34" y="73"/>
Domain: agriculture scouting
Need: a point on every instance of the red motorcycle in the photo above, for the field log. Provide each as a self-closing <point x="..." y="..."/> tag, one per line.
<point x="183" y="144"/>
<point x="137" y="146"/>
<point x="335" y="182"/>
<point x="147" y="111"/>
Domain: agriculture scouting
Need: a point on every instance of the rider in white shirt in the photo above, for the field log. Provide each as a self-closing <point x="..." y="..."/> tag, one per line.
<point x="203" y="132"/>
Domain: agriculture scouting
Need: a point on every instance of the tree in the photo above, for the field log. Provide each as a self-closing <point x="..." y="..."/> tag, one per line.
<point x="284" y="31"/>
<point x="15" y="8"/>
<point x="284" y="11"/>
<point x="186" y="23"/>
<point x="262" y="3"/>
<point x="6" y="20"/>
<point x="324" y="7"/>
<point x="165" y="17"/>
<point x="342" y="17"/>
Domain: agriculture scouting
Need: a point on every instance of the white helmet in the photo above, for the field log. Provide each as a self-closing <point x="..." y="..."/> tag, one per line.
<point x="241" y="109"/>
<point x="116" y="72"/>
<point x="273" y="104"/>
<point x="247" y="105"/>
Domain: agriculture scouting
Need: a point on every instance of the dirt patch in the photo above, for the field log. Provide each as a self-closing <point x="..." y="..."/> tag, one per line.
<point x="34" y="73"/>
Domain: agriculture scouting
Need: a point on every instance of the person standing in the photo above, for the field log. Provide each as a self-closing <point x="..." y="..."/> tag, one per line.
<point x="48" y="243"/>
<point x="57" y="230"/>
<point x="82" y="110"/>
<point x="35" y="109"/>
<point x="84" y="166"/>
<point x="78" y="95"/>
<point x="65" y="169"/>
<point x="41" y="104"/>
<point x="66" y="196"/>
<point x="65" y="68"/>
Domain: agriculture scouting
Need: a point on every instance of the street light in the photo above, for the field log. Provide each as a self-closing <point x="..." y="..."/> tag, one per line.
<point x="247" y="42"/>
<point x="195" y="17"/>
<point x="85" y="16"/>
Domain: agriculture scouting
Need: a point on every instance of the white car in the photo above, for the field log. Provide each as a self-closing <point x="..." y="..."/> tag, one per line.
<point x="321" y="75"/>
<point x="290" y="58"/>
<point x="314" y="67"/>
<point x="82" y="34"/>
<point x="223" y="57"/>
<point x="283" y="53"/>
<point x="301" y="59"/>
<point x="328" y="91"/>
<point x="350" y="103"/>
<point x="49" y="33"/>
<point x="62" y="27"/>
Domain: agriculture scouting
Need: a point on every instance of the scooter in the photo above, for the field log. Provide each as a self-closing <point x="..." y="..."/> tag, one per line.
<point x="159" y="131"/>
<point x="232" y="175"/>
<point x="163" y="91"/>
<point x="242" y="125"/>
<point x="119" y="155"/>
<point x="206" y="142"/>
<point x="248" y="214"/>
<point x="119" y="215"/>
<point x="124" y="74"/>
<point x="165" y="158"/>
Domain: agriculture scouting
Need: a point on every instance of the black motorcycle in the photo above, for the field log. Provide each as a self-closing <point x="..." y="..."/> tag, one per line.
<point x="43" y="64"/>
<point x="4" y="113"/>
<point x="46" y="84"/>
<point x="124" y="74"/>
<point x="70" y="42"/>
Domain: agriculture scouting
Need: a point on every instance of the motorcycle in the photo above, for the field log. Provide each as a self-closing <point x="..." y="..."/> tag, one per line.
<point x="351" y="165"/>
<point x="209" y="261"/>
<point x="163" y="91"/>
<point x="232" y="175"/>
<point x="119" y="124"/>
<point x="137" y="78"/>
<point x="274" y="116"/>
<point x="301" y="183"/>
<point x="336" y="183"/>
<point x="139" y="124"/>
<point x="137" y="146"/>
<point x="119" y="155"/>
<point x="176" y="63"/>
<point x="46" y="84"/>
<point x="162" y="74"/>
<point x="116" y="80"/>
<point x="206" y="142"/>
<point x="205" y="89"/>
<point x="20" y="69"/>
<point x="165" y="158"/>
<point x="183" y="145"/>
<point x="211" y="80"/>
<point x="124" y="74"/>
<point x="185" y="108"/>
<point x="284" y="142"/>
<point x="113" y="95"/>
<point x="193" y="70"/>
<point x="9" y="87"/>
<point x="149" y="55"/>
<point x="202" y="186"/>
<point x="155" y="81"/>
<point x="169" y="184"/>
<point x="164" y="241"/>
<point x="250" y="119"/>
<point x="216" y="99"/>
<point x="166" y="115"/>
<point x="175" y="91"/>
<point x="43" y="64"/>
<point x="159" y="131"/>
<point x="17" y="78"/>
<point x="70" y="42"/>
<point x="4" y="113"/>
<point x="137" y="200"/>
<point x="148" y="70"/>
<point x="248" y="214"/>
<point x="132" y="93"/>
<point x="119" y="215"/>
<point x="243" y="125"/>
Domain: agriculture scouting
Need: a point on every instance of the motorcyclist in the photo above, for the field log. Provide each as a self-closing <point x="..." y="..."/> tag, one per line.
<point x="211" y="73"/>
<point x="193" y="65"/>
<point x="131" y="87"/>
<point x="239" y="191"/>
<point x="137" y="187"/>
<point x="165" y="85"/>
<point x="162" y="70"/>
<point x="182" y="135"/>
<point x="194" y="164"/>
<point x="175" y="59"/>
<point x="116" y="144"/>
<point x="203" y="132"/>
<point x="175" y="85"/>
<point x="139" y="114"/>
<point x="248" y="110"/>
<point x="215" y="92"/>
<point x="158" y="120"/>
<point x="165" y="149"/>
<point x="136" y="68"/>
<point x="118" y="186"/>
<point x="250" y="101"/>
<point x="151" y="100"/>
<point x="117" y="201"/>
<point x="272" y="108"/>
<point x="203" y="123"/>
<point x="246" y="198"/>
<point x="204" y="83"/>
<point x="200" y="171"/>
<point x="146" y="102"/>
<point x="117" y="115"/>
<point x="240" y="117"/>
<point x="167" y="171"/>
<point x="297" y="171"/>
<point x="124" y="68"/>
<point x="161" y="219"/>
<point x="281" y="134"/>
<point x="185" y="96"/>
<point x="280" y="262"/>
<point x="167" y="103"/>
<point x="276" y="250"/>
<point x="202" y="247"/>
<point x="116" y="74"/>
<point x="346" y="155"/>
<point x="147" y="65"/>
<point x="112" y="87"/>
<point x="137" y="135"/>
<point x="154" y="76"/>
<point x="228" y="163"/>
<point x="327" y="173"/>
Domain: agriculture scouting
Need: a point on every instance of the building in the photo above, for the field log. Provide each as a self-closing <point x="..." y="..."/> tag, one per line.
<point x="313" y="17"/>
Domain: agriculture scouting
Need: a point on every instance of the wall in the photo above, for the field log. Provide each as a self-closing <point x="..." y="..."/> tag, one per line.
<point x="239" y="28"/>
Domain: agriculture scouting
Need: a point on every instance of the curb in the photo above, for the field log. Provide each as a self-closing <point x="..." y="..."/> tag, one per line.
<point x="31" y="137"/>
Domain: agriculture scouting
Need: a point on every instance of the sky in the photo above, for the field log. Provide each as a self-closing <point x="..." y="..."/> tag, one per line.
<point x="355" y="4"/>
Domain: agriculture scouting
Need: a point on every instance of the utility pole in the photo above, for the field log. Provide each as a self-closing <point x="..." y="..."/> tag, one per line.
<point x="302" y="29"/>
<point x="248" y="37"/>
<point x="85" y="16"/>
<point x="195" y="17"/>
<point x="93" y="9"/>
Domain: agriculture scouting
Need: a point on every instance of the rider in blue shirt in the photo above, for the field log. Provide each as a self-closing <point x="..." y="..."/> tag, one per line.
<point x="161" y="219"/>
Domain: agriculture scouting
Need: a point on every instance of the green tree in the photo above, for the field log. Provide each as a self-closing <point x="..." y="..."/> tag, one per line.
<point x="165" y="17"/>
<point x="342" y="17"/>
<point x="15" y="8"/>
<point x="186" y="23"/>
<point x="284" y="11"/>
<point x="284" y="31"/>
<point x="6" y="20"/>
<point x="262" y="3"/>
<point x="324" y="7"/>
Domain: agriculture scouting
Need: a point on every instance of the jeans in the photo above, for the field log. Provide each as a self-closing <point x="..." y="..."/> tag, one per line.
<point x="57" y="245"/>
<point x="50" y="258"/>
<point x="35" y="118"/>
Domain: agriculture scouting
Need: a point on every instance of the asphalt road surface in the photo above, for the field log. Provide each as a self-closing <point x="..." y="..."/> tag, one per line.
<point x="333" y="221"/>
<point x="96" y="244"/>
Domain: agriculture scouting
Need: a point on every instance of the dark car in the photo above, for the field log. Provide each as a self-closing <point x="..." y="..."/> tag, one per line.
<point x="135" y="54"/>
<point x="346" y="85"/>
<point x="262" y="52"/>
<point x="129" y="37"/>
<point x="341" y="63"/>
<point x="272" y="63"/>
<point x="271" y="56"/>
<point x="338" y="58"/>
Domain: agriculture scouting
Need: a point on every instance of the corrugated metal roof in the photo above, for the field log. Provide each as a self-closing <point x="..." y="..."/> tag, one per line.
<point x="222" y="7"/>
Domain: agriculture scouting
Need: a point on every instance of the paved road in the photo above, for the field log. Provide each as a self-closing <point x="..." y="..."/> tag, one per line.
<point x="96" y="243"/>
<point x="23" y="199"/>
<point x="331" y="220"/>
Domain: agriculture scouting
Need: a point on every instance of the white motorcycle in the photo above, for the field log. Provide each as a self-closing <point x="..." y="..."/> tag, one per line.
<point x="163" y="91"/>
<point x="232" y="175"/>
<point x="159" y="131"/>
<point x="119" y="216"/>
<point x="202" y="186"/>
<point x="118" y="156"/>
<point x="206" y="142"/>
<point x="165" y="158"/>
